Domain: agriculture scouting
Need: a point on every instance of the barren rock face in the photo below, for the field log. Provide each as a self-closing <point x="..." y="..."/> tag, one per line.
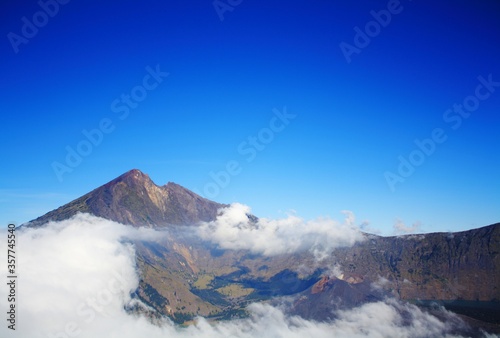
<point x="320" y="285"/>
<point x="134" y="199"/>
<point x="442" y="266"/>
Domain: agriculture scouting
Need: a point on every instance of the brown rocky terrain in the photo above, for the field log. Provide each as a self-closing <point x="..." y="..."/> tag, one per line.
<point x="183" y="276"/>
<point x="445" y="266"/>
<point x="134" y="199"/>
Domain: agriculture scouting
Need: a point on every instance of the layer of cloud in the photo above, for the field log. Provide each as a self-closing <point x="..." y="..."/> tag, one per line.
<point x="233" y="230"/>
<point x="76" y="276"/>
<point x="71" y="272"/>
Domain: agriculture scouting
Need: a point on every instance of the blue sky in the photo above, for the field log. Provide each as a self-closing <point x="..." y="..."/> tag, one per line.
<point x="355" y="118"/>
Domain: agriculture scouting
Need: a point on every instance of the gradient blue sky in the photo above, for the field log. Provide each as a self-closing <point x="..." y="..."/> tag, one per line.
<point x="225" y="78"/>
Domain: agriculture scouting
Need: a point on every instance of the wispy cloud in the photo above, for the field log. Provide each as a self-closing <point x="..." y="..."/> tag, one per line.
<point x="400" y="228"/>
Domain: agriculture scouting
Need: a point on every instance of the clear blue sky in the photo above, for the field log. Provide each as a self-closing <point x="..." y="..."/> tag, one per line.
<point x="225" y="77"/>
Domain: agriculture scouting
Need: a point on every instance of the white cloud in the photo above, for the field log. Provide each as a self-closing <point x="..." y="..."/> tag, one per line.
<point x="381" y="283"/>
<point x="232" y="230"/>
<point x="391" y="319"/>
<point x="75" y="277"/>
<point x="73" y="272"/>
<point x="366" y="227"/>
<point x="400" y="228"/>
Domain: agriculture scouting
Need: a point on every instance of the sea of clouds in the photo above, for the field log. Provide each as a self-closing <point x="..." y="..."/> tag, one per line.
<point x="76" y="277"/>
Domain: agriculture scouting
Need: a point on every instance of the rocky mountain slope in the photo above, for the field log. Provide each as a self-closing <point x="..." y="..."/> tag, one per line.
<point x="460" y="271"/>
<point x="134" y="199"/>
<point x="445" y="266"/>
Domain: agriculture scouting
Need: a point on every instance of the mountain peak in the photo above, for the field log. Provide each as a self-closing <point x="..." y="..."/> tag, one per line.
<point x="133" y="198"/>
<point x="133" y="175"/>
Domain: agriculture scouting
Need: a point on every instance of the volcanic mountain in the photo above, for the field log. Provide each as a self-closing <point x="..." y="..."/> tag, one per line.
<point x="134" y="199"/>
<point x="183" y="276"/>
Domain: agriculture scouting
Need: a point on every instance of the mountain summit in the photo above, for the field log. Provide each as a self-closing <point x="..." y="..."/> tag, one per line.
<point x="133" y="198"/>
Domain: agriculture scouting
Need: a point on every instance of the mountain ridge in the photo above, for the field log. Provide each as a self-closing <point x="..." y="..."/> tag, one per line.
<point x="133" y="198"/>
